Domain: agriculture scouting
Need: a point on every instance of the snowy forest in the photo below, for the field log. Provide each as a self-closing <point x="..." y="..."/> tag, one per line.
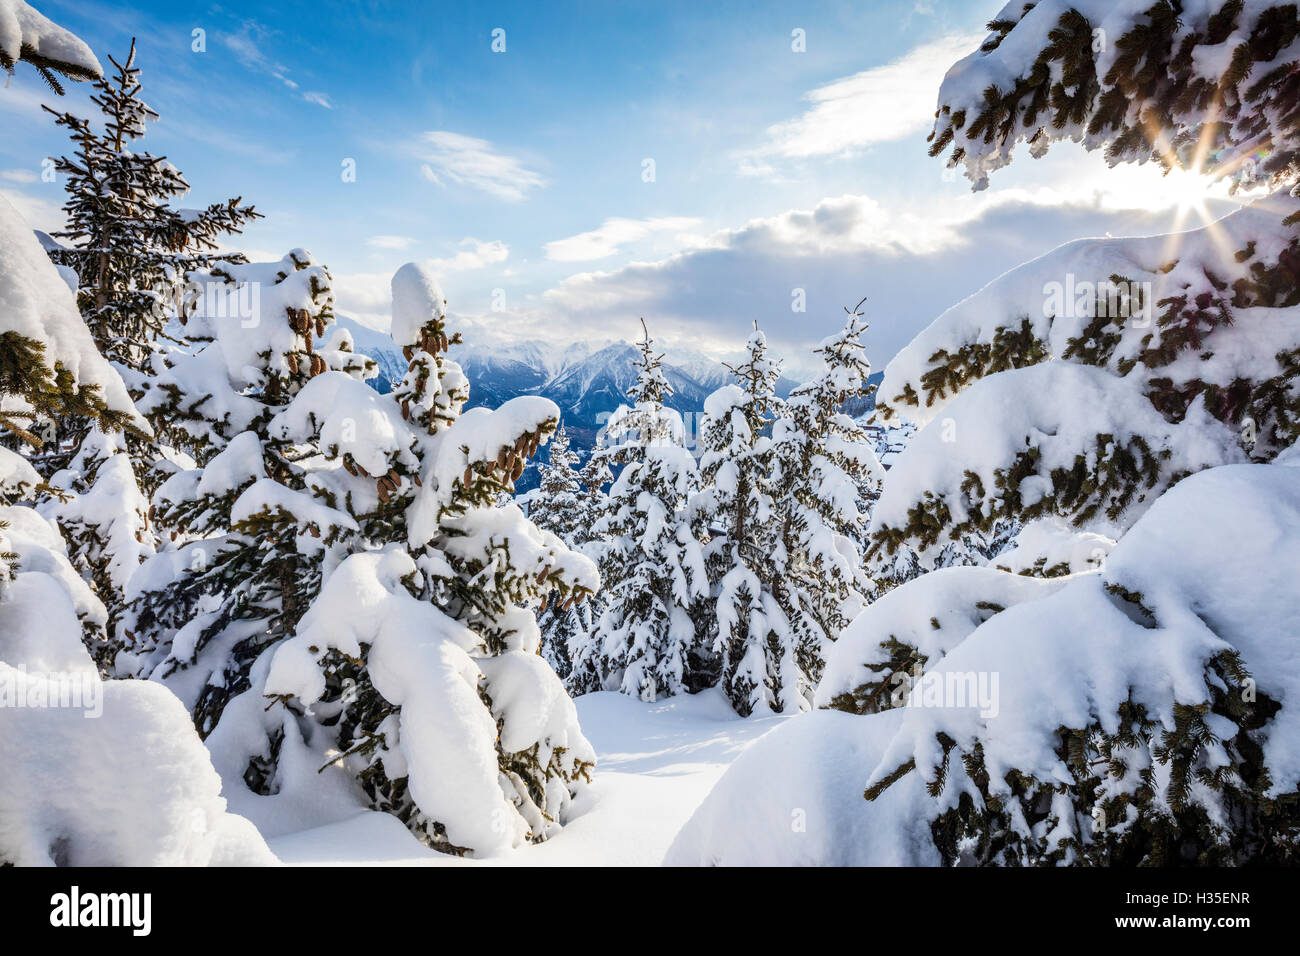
<point x="279" y="585"/>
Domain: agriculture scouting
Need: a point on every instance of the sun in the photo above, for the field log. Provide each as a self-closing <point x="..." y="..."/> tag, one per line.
<point x="1189" y="191"/>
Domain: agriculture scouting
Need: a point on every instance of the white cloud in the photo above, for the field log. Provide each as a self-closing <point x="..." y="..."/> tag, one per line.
<point x="878" y="105"/>
<point x="910" y="262"/>
<point x="19" y="175"/>
<point x="611" y="236"/>
<point x="365" y="296"/>
<point x="474" y="254"/>
<point x="467" y="161"/>
<point x="320" y="99"/>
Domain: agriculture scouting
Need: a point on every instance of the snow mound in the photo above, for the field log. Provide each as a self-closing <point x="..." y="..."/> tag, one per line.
<point x="96" y="773"/>
<point x="799" y="791"/>
<point x="1048" y="548"/>
<point x="131" y="787"/>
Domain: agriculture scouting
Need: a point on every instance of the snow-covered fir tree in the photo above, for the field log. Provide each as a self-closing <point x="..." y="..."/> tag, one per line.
<point x="556" y="507"/>
<point x="128" y="247"/>
<point x="593" y="478"/>
<point x="828" y="478"/>
<point x="129" y="251"/>
<point x="650" y="639"/>
<point x="1126" y="363"/>
<point x="758" y="648"/>
<point x="249" y="527"/>
<point x="1142" y="714"/>
<point x="592" y="505"/>
<point x="135" y="786"/>
<point x="415" y="670"/>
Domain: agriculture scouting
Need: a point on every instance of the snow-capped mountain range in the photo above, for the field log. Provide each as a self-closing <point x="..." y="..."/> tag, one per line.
<point x="586" y="380"/>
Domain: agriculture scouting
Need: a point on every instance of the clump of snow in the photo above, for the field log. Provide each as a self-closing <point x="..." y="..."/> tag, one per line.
<point x="37" y="304"/>
<point x="21" y="27"/>
<point x="17" y="477"/>
<point x="131" y="786"/>
<point x="1048" y="547"/>
<point x="417" y="301"/>
<point x="931" y="614"/>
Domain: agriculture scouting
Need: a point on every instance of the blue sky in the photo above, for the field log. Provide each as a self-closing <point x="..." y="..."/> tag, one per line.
<point x="521" y="174"/>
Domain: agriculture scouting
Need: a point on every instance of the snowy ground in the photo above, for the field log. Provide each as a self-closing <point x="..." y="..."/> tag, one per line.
<point x="656" y="763"/>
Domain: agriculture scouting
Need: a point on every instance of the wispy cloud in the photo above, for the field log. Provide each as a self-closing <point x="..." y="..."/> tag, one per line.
<point x="18" y="175"/>
<point x="247" y="44"/>
<point x="474" y="254"/>
<point x="611" y="236"/>
<point x="453" y="157"/>
<point x="878" y="105"/>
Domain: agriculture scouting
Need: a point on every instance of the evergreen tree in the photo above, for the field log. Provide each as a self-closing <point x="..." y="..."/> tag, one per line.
<point x="592" y="504"/>
<point x="130" y="249"/>
<point x="649" y="640"/>
<point x="249" y="527"/>
<point x="1184" y="339"/>
<point x="591" y="498"/>
<point x="48" y="366"/>
<point x="1093" y="407"/>
<point x="757" y="645"/>
<point x="416" y="665"/>
<point x="555" y="507"/>
<point x="829" y="478"/>
<point x="130" y="252"/>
